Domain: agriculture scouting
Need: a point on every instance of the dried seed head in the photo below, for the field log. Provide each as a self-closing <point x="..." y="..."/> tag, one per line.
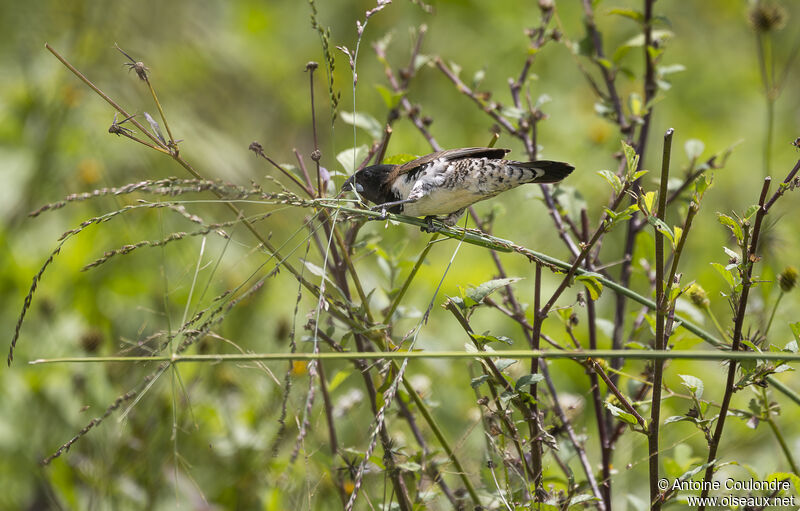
<point x="787" y="279"/>
<point x="698" y="296"/>
<point x="765" y="16"/>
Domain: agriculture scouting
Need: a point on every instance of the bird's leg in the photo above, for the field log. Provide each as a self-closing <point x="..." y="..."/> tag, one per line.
<point x="429" y="227"/>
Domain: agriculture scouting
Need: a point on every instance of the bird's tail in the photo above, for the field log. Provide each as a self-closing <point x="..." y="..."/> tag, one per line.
<point x="544" y="171"/>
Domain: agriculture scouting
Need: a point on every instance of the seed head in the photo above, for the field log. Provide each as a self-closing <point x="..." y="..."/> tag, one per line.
<point x="765" y="16"/>
<point x="698" y="296"/>
<point x="787" y="279"/>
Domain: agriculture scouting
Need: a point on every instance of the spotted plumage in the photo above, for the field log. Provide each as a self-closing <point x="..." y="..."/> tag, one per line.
<point x="445" y="183"/>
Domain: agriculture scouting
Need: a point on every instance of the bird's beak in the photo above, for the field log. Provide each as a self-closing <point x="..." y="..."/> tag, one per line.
<point x="350" y="184"/>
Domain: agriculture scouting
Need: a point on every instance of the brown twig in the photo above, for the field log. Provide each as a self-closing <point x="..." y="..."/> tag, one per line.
<point x="749" y="259"/>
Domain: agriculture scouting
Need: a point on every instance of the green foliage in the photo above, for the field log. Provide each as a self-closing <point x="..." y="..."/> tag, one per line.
<point x="195" y="278"/>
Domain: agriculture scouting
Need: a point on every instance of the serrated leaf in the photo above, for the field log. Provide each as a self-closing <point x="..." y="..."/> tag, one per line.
<point x="731" y="224"/>
<point x="477" y="294"/>
<point x="612" y="179"/>
<point x="662" y="228"/>
<point x="507" y="396"/>
<point x="730" y="253"/>
<point x="726" y="274"/>
<point x="621" y="414"/>
<point x="503" y="363"/>
<point x="649" y="200"/>
<point x="678" y="234"/>
<point x="528" y="379"/>
<point x="693" y="383"/>
<point x="592" y="284"/>
<point x="752" y="210"/>
<point x="631" y="160"/>
<point x="701" y="184"/>
<point x="678" y="418"/>
<point x="694" y="148"/>
<point x="478" y="381"/>
<point x="350" y="158"/>
<point x="364" y="121"/>
<point x="485" y="339"/>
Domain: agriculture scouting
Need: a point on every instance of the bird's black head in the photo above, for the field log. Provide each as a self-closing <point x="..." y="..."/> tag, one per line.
<point x="371" y="183"/>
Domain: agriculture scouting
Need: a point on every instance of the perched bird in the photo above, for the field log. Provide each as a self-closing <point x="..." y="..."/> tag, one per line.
<point x="443" y="184"/>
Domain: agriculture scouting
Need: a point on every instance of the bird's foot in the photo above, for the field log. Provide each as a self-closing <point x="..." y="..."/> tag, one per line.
<point x="382" y="209"/>
<point x="429" y="227"/>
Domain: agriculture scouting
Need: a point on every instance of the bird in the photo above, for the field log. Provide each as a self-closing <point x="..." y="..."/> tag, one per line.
<point x="443" y="184"/>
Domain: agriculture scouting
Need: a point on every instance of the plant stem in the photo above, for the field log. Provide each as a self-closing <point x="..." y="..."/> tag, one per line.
<point x="662" y="293"/>
<point x="748" y="260"/>
<point x="772" y="314"/>
<point x="777" y="432"/>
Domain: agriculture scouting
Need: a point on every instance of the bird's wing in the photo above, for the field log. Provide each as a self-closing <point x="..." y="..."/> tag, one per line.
<point x="449" y="155"/>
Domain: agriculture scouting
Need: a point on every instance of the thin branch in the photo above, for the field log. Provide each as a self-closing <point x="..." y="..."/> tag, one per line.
<point x="748" y="260"/>
<point x="662" y="294"/>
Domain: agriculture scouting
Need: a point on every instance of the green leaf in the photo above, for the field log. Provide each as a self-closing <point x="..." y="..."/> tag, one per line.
<point x="731" y="224"/>
<point x="631" y="160"/>
<point x="628" y="13"/>
<point x="580" y="499"/>
<point x="528" y="379"/>
<point x="701" y="184"/>
<point x="337" y="380"/>
<point x="662" y="228"/>
<point x="592" y="284"/>
<point x="612" y="179"/>
<point x="636" y="104"/>
<point x="678" y="418"/>
<point x="504" y="363"/>
<point x="478" y="381"/>
<point x="752" y="210"/>
<point x="667" y="70"/>
<point x="694" y="148"/>
<point x="399" y="159"/>
<point x="782" y="476"/>
<point x="796" y="332"/>
<point x="350" y="158"/>
<point x="570" y="200"/>
<point x="678" y="234"/>
<point x="649" y="200"/>
<point x="726" y="274"/>
<point x="486" y="339"/>
<point x="694" y="384"/>
<point x="621" y="414"/>
<point x="390" y="98"/>
<point x="364" y="121"/>
<point x="477" y="294"/>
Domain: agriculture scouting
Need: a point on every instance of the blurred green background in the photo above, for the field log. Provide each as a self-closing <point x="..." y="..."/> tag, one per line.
<point x="229" y="73"/>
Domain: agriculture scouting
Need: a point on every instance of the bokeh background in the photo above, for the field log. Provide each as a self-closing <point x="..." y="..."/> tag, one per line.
<point x="229" y="73"/>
